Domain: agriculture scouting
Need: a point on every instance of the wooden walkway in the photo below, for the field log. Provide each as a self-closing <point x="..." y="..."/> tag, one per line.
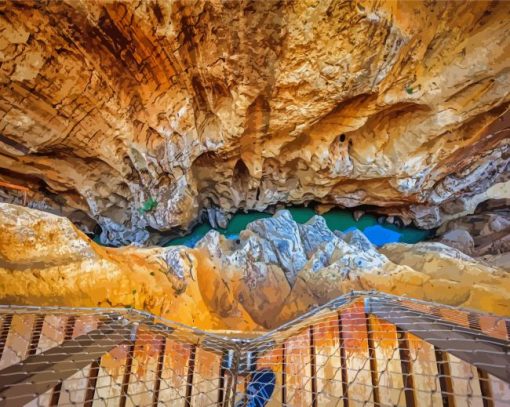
<point x="349" y="356"/>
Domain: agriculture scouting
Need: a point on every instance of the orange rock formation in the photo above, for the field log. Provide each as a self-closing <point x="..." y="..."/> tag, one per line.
<point x="247" y="104"/>
<point x="45" y="260"/>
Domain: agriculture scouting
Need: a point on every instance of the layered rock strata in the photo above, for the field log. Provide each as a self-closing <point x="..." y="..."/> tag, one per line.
<point x="486" y="232"/>
<point x="276" y="270"/>
<point x="141" y="116"/>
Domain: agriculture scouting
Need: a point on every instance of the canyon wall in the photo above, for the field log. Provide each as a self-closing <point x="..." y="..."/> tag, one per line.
<point x="139" y="116"/>
<point x="275" y="271"/>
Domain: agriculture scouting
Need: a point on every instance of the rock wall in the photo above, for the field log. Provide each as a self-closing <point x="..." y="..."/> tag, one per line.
<point x="46" y="260"/>
<point x="141" y="115"/>
<point x="276" y="270"/>
<point x="484" y="234"/>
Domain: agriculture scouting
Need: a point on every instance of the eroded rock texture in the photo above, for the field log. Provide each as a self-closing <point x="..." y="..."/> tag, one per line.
<point x="45" y="259"/>
<point x="143" y="114"/>
<point x="275" y="271"/>
<point x="486" y="232"/>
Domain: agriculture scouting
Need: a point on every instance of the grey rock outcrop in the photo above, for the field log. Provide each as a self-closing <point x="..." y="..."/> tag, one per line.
<point x="487" y="232"/>
<point x="276" y="259"/>
<point x="283" y="242"/>
<point x="459" y="239"/>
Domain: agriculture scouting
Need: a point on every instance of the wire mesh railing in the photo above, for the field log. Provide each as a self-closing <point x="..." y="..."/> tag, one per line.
<point x="362" y="349"/>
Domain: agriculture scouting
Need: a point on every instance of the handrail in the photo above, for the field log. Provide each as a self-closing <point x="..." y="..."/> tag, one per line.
<point x="492" y="354"/>
<point x="39" y="373"/>
<point x="448" y="331"/>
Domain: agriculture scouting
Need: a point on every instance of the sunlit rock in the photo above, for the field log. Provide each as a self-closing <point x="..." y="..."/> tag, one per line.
<point x="240" y="284"/>
<point x="143" y="116"/>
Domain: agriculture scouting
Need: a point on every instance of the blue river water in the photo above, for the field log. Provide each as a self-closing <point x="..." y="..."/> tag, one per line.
<point x="336" y="219"/>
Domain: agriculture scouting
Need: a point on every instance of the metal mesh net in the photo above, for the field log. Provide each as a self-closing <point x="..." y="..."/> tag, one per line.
<point x="362" y="349"/>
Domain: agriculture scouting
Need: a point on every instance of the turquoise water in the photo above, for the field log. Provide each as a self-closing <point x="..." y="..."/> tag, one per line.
<point x="336" y="219"/>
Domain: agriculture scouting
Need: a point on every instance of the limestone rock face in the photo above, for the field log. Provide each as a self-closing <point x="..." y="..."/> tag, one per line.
<point x="276" y="270"/>
<point x="486" y="232"/>
<point x="451" y="277"/>
<point x="145" y="114"/>
<point x="46" y="260"/>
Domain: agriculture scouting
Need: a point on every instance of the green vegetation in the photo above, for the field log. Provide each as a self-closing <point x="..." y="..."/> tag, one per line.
<point x="149" y="205"/>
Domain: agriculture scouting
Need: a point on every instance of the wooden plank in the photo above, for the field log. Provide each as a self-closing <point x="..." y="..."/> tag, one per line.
<point x="490" y="355"/>
<point x="5" y="325"/>
<point x="445" y="377"/>
<point x="84" y="324"/>
<point x="493" y="326"/>
<point x="144" y="369"/>
<point x="37" y="327"/>
<point x="189" y="375"/>
<point x="92" y="382"/>
<point x="52" y="335"/>
<point x="110" y="377"/>
<point x="68" y="334"/>
<point x="241" y="385"/>
<point x="53" y="332"/>
<point x="465" y="382"/>
<point x="357" y="356"/>
<point x="159" y="370"/>
<point x="500" y="391"/>
<point x="127" y="374"/>
<point x="18" y="340"/>
<point x="424" y="370"/>
<point x="173" y="377"/>
<point x="328" y="362"/>
<point x="273" y="360"/>
<point x="313" y="366"/>
<point x="297" y="370"/>
<point x="389" y="369"/>
<point x="456" y="316"/>
<point x="405" y="365"/>
<point x="74" y="389"/>
<point x="416" y="306"/>
<point x="44" y="400"/>
<point x="39" y="373"/>
<point x="373" y="363"/>
<point x="206" y="378"/>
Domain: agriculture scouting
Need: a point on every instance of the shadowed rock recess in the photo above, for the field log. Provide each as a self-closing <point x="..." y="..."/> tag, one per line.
<point x="143" y="116"/>
<point x="276" y="270"/>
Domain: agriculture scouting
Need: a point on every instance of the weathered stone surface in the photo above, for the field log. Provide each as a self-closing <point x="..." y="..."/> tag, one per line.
<point x="487" y="232"/>
<point x="459" y="239"/>
<point x="497" y="260"/>
<point x="282" y="242"/>
<point x="452" y="277"/>
<point x="44" y="259"/>
<point x="248" y="284"/>
<point x="141" y="114"/>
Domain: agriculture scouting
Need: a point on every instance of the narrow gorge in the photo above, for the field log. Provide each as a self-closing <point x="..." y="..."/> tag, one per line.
<point x="255" y="203"/>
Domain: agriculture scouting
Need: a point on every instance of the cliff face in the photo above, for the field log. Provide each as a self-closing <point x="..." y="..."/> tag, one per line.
<point x="45" y="259"/>
<point x="142" y="114"/>
<point x="276" y="270"/>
